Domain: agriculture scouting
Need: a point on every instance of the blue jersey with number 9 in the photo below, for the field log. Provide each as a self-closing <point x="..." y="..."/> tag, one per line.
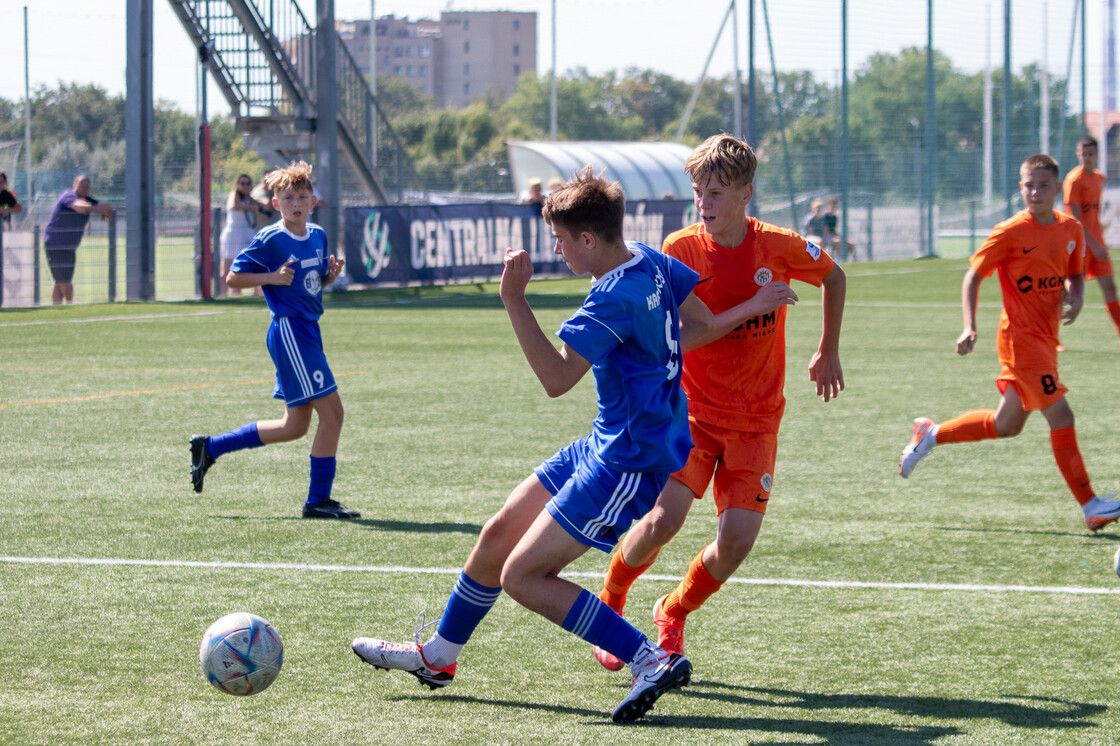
<point x="629" y="330"/>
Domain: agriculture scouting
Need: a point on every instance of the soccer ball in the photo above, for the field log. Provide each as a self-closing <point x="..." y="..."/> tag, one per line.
<point x="241" y="654"/>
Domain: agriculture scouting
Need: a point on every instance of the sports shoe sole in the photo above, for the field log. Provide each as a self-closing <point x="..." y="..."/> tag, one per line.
<point x="678" y="675"/>
<point x="918" y="434"/>
<point x="200" y="461"/>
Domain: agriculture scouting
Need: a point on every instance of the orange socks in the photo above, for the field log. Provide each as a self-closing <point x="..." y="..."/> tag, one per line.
<point x="619" y="578"/>
<point x="1114" y="312"/>
<point x="696" y="588"/>
<point x="1068" y="456"/>
<point x="979" y="424"/>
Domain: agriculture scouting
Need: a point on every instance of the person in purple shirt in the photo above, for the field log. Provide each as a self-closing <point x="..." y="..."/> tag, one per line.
<point x="64" y="232"/>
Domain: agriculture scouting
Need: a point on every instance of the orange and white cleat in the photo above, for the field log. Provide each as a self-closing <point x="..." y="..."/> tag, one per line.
<point x="922" y="441"/>
<point x="1101" y="511"/>
<point x="670" y="630"/>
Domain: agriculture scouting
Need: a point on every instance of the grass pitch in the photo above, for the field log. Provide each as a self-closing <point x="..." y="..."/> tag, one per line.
<point x="966" y="605"/>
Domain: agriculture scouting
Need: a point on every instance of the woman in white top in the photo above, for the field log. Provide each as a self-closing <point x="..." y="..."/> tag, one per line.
<point x="240" y="223"/>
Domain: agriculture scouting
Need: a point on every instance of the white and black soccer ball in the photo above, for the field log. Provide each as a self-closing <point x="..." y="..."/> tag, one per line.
<point x="241" y="654"/>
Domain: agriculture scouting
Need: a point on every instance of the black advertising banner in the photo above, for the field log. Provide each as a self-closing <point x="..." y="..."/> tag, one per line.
<point x="441" y="244"/>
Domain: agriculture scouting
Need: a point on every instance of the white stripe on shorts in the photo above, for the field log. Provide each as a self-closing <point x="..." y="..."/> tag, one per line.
<point x="287" y="336"/>
<point x="623" y="493"/>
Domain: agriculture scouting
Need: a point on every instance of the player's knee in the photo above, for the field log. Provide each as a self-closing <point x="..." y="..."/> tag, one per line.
<point x="661" y="528"/>
<point x="1009" y="429"/>
<point x="734" y="549"/>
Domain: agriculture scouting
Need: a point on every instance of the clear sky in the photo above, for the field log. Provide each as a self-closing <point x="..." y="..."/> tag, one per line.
<point x="84" y="42"/>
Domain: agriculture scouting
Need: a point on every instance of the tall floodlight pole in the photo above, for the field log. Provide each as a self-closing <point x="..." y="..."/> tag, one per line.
<point x="752" y="125"/>
<point x="1007" y="189"/>
<point x="988" y="91"/>
<point x="844" y="129"/>
<point x="326" y="119"/>
<point x="738" y="70"/>
<point x="27" y="110"/>
<point x="1044" y="85"/>
<point x="931" y="135"/>
<point x="1084" y="67"/>
<point x="1108" y="99"/>
<point x="552" y="119"/>
<point x="372" y="85"/>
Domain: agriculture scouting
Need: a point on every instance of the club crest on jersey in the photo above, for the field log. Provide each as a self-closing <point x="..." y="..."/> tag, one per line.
<point x="812" y="250"/>
<point x="763" y="276"/>
<point x="1071" y="247"/>
<point x="767" y="481"/>
<point x="312" y="282"/>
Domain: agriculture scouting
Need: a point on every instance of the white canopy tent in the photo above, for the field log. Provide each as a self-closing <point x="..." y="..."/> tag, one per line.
<point x="646" y="170"/>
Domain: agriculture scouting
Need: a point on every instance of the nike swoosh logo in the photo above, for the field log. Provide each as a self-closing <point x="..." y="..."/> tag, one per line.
<point x="703" y="280"/>
<point x="1027" y="251"/>
<point x="760" y="498"/>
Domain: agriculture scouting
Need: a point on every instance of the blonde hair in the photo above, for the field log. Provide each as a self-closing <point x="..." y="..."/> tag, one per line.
<point x="729" y="159"/>
<point x="295" y="174"/>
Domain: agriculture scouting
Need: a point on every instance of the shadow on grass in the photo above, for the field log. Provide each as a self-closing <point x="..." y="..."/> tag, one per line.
<point x="1013" y="710"/>
<point x="1076" y="534"/>
<point x="661" y="717"/>
<point x="401" y="526"/>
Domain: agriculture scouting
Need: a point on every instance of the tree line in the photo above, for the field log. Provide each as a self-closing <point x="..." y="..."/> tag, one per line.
<point x="81" y="127"/>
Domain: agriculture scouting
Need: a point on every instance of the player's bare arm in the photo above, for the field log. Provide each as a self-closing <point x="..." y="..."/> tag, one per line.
<point x="334" y="269"/>
<point x="699" y="326"/>
<point x="970" y="293"/>
<point x="1073" y="298"/>
<point x="558" y="370"/>
<point x="1100" y="252"/>
<point x="242" y="280"/>
<point x="825" y="369"/>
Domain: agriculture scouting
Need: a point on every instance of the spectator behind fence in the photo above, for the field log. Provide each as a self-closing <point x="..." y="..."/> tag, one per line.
<point x="9" y="205"/>
<point x="64" y="231"/>
<point x="815" y="224"/>
<point x="240" y="224"/>
<point x="831" y="237"/>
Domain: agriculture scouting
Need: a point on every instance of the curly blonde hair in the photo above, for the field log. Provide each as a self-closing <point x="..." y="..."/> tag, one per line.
<point x="296" y="174"/>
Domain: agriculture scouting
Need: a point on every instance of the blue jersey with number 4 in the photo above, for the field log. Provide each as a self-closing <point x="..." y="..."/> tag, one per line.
<point x="274" y="245"/>
<point x="629" y="330"/>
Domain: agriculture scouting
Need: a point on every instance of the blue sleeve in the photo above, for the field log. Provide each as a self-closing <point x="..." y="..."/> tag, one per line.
<point x="682" y="278"/>
<point x="258" y="257"/>
<point x="600" y="325"/>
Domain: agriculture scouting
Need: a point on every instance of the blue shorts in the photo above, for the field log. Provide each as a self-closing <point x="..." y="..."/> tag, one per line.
<point x="302" y="373"/>
<point x="594" y="502"/>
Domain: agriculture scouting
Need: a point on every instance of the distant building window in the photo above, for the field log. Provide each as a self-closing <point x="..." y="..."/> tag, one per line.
<point x="466" y="24"/>
<point x="425" y="51"/>
<point x="466" y="89"/>
<point x="424" y="71"/>
<point x="400" y="70"/>
<point x="412" y="51"/>
<point x="365" y="30"/>
<point x="388" y="60"/>
<point x="412" y="71"/>
<point x="516" y="24"/>
<point x="467" y="47"/>
<point x="466" y="70"/>
<point x="381" y="30"/>
<point x="517" y="71"/>
<point x="398" y="52"/>
<point x="516" y="50"/>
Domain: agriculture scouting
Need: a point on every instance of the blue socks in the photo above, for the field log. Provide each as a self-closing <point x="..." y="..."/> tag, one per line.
<point x="322" y="479"/>
<point x="235" y="440"/>
<point x="596" y="623"/>
<point x="469" y="603"/>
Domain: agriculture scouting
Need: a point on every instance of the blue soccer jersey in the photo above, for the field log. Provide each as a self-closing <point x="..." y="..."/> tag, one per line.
<point x="629" y="330"/>
<point x="274" y="245"/>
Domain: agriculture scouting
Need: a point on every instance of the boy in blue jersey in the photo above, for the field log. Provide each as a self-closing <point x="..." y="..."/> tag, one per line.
<point x="289" y="260"/>
<point x="638" y="318"/>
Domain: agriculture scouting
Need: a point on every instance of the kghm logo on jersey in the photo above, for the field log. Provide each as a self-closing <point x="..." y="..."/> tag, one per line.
<point x="376" y="250"/>
<point x="763" y="276"/>
<point x="1027" y="283"/>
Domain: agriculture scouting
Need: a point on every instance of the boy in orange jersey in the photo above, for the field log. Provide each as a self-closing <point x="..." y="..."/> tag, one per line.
<point x="1082" y="190"/>
<point x="734" y="385"/>
<point x="1038" y="254"/>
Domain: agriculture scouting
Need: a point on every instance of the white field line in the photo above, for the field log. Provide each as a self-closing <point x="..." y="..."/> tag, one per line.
<point x="953" y="587"/>
<point x="126" y="317"/>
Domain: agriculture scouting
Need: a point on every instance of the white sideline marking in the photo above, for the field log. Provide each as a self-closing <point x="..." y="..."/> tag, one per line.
<point x="964" y="587"/>
<point x="125" y="317"/>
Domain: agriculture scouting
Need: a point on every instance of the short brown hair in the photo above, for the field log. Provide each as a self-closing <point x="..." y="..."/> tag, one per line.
<point x="1041" y="160"/>
<point x="292" y="176"/>
<point x="1087" y="140"/>
<point x="587" y="203"/>
<point x="727" y="158"/>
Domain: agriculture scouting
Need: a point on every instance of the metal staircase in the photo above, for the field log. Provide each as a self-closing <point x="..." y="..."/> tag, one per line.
<point x="262" y="56"/>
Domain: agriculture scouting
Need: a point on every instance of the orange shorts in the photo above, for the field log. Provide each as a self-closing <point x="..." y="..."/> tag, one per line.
<point x="1038" y="389"/>
<point x="1094" y="267"/>
<point x="742" y="463"/>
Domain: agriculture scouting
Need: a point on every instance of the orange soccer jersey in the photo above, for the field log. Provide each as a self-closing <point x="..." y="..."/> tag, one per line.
<point x="1084" y="189"/>
<point x="736" y="381"/>
<point x="1033" y="261"/>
